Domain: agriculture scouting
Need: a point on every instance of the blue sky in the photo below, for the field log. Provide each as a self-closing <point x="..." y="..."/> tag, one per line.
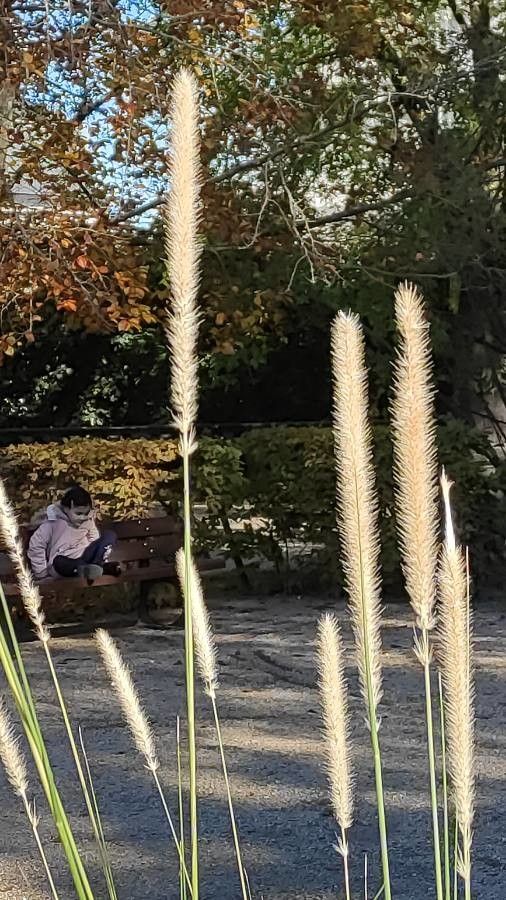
<point x="63" y="93"/>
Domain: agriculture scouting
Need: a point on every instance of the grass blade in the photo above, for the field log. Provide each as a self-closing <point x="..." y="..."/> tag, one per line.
<point x="21" y="692"/>
<point x="97" y="820"/>
<point x="182" y="882"/>
<point x="446" y="827"/>
<point x="32" y="817"/>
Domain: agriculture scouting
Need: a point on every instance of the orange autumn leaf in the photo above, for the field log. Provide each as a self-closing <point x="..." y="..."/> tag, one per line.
<point x="69" y="305"/>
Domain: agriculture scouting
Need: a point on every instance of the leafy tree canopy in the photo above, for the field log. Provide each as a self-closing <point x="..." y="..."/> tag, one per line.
<point x="347" y="146"/>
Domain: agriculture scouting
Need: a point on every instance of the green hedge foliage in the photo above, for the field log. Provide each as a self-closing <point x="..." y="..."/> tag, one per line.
<point x="269" y="490"/>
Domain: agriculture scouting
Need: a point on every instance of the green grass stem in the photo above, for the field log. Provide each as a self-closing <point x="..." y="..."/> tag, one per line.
<point x="182" y="881"/>
<point x="425" y="657"/>
<point x="240" y="866"/>
<point x="373" y="722"/>
<point x="446" y="829"/>
<point x="97" y="823"/>
<point x="32" y="818"/>
<point x="189" y="670"/>
<point x="168" y="816"/>
<point x="20" y="689"/>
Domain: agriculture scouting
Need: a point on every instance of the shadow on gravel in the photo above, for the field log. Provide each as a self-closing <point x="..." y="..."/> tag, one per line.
<point x="270" y="721"/>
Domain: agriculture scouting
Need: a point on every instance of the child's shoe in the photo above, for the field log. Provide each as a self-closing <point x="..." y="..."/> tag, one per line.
<point x="90" y="572"/>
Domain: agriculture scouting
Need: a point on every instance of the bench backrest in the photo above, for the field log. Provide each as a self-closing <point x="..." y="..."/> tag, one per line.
<point x="146" y="539"/>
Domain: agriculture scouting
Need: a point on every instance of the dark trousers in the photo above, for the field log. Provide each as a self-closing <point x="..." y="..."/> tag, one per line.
<point x="96" y="553"/>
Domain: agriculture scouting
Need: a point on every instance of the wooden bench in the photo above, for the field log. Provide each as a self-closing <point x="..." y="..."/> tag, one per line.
<point x="146" y="549"/>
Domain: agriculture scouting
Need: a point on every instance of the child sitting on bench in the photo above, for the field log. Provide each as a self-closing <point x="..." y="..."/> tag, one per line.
<point x="68" y="543"/>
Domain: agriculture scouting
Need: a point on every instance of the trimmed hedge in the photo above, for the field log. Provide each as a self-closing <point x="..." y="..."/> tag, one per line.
<point x="263" y="491"/>
<point x="122" y="475"/>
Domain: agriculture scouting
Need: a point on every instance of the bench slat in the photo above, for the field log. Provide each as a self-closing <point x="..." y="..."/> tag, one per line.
<point x="6" y="567"/>
<point x="69" y="585"/>
<point x="155" y="572"/>
<point x="139" y="528"/>
<point x="162" y="547"/>
<point x="149" y="548"/>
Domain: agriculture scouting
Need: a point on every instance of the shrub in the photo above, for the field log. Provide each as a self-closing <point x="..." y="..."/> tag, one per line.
<point x="219" y="483"/>
<point x="289" y="477"/>
<point x="269" y="488"/>
<point x="122" y="475"/>
<point x="479" y="472"/>
<point x="290" y="480"/>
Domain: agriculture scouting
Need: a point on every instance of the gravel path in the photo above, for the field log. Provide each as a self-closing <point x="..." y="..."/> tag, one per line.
<point x="271" y="727"/>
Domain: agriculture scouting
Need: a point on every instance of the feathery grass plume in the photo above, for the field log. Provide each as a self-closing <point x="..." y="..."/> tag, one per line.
<point x="415" y="455"/>
<point x="11" y="755"/>
<point x="455" y="653"/>
<point x="122" y="682"/>
<point x="357" y="513"/>
<point x="336" y="720"/>
<point x="356" y="498"/>
<point x="183" y="249"/>
<point x="29" y="591"/>
<point x="336" y="726"/>
<point x="416" y="495"/>
<point x="137" y="721"/>
<point x="15" y="767"/>
<point x="205" y="646"/>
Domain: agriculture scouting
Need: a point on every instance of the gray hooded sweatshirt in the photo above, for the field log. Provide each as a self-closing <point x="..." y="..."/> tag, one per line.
<point x="56" y="536"/>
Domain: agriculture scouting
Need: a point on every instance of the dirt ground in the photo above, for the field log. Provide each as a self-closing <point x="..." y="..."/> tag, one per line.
<point x="270" y="719"/>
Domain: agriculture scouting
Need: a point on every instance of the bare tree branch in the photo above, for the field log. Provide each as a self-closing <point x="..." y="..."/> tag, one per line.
<point x="246" y="165"/>
<point x="258" y="162"/>
<point x="89" y="106"/>
<point x="351" y="211"/>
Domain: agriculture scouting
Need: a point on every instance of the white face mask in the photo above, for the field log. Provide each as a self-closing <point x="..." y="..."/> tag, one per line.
<point x="78" y="514"/>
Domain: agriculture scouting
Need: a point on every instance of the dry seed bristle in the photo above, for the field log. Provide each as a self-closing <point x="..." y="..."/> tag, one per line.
<point x="455" y="654"/>
<point x="336" y="720"/>
<point x="183" y="251"/>
<point x="205" y="646"/>
<point x="415" y="457"/>
<point x="356" y="497"/>
<point x="128" y="697"/>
